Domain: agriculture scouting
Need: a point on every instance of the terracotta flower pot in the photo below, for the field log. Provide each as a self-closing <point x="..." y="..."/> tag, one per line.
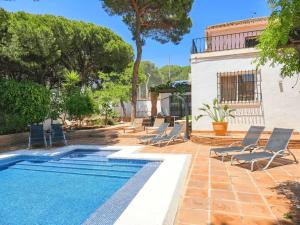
<point x="220" y="128"/>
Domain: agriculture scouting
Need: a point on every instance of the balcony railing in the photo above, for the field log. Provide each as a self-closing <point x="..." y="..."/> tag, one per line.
<point x="225" y="42"/>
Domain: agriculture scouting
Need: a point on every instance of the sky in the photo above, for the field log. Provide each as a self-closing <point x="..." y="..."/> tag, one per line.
<point x="204" y="13"/>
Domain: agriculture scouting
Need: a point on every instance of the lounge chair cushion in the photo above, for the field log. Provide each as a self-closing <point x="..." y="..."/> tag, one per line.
<point x="227" y="149"/>
<point x="159" y="132"/>
<point x="253" y="156"/>
<point x="57" y="134"/>
<point x="174" y="134"/>
<point x="252" y="135"/>
<point x="279" y="139"/>
<point x="152" y="128"/>
<point x="149" y="137"/>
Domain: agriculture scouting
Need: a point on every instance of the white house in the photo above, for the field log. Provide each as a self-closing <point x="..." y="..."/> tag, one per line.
<point x="222" y="66"/>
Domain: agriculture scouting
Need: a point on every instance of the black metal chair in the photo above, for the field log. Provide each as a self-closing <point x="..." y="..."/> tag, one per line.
<point x="57" y="134"/>
<point x="37" y="136"/>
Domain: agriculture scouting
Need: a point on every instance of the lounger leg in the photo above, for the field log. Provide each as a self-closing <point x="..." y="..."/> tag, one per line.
<point x="170" y="141"/>
<point x="50" y="141"/>
<point x="270" y="161"/>
<point x="252" y="165"/>
<point x="231" y="161"/>
<point x="296" y="161"/>
<point x="29" y="143"/>
<point x="223" y="156"/>
<point x="65" y="140"/>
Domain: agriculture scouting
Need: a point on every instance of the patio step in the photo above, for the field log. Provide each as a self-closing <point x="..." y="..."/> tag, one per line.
<point x="104" y="162"/>
<point x="208" y="138"/>
<point x="73" y="170"/>
<point x="87" y="167"/>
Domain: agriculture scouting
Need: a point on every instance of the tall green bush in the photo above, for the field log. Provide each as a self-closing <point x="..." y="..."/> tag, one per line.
<point x="78" y="105"/>
<point x="21" y="104"/>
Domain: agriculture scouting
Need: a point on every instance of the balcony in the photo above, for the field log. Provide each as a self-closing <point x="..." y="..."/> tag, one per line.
<point x="225" y="42"/>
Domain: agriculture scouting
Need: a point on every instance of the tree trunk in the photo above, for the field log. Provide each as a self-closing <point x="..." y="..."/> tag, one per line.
<point x="135" y="78"/>
<point x="123" y="109"/>
<point x="105" y="119"/>
<point x="139" y="44"/>
<point x="154" y="97"/>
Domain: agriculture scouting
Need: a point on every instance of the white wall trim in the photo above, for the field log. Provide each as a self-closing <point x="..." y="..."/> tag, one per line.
<point x="226" y="54"/>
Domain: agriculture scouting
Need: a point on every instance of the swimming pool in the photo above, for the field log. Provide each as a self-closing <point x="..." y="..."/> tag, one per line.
<point x="80" y="187"/>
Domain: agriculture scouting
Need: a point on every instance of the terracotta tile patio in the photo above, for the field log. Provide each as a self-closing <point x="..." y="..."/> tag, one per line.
<point x="220" y="194"/>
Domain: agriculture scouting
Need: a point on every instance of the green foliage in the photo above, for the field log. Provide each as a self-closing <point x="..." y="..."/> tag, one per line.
<point x="160" y="87"/>
<point x="190" y="117"/>
<point x="22" y="104"/>
<point x="217" y="112"/>
<point x="59" y="95"/>
<point x="160" y="76"/>
<point x="162" y="21"/>
<point x="275" y="43"/>
<point x="71" y="80"/>
<point x="117" y="86"/>
<point x="149" y="68"/>
<point x="79" y="104"/>
<point x="106" y="105"/>
<point x="180" y="88"/>
<point x="288" y="215"/>
<point x="176" y="72"/>
<point x="115" y="89"/>
<point x="41" y="47"/>
<point x="56" y="105"/>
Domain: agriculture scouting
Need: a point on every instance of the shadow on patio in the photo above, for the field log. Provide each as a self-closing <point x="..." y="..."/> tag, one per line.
<point x="290" y="190"/>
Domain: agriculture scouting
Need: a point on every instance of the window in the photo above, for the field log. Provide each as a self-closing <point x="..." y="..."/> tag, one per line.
<point x="251" y="41"/>
<point x="241" y="86"/>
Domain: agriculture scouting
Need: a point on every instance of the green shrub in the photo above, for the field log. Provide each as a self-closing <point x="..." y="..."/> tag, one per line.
<point x="189" y="117"/>
<point x="22" y="103"/>
<point x="78" y="105"/>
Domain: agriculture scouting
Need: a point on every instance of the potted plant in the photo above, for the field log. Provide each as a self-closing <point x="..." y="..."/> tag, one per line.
<point x="218" y="113"/>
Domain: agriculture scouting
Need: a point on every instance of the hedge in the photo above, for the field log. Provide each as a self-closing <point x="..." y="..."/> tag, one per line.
<point x="21" y="104"/>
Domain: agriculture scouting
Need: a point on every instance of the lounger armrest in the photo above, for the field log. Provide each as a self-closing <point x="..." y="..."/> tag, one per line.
<point x="161" y="138"/>
<point x="174" y="137"/>
<point x="257" y="148"/>
<point x="246" y="148"/>
<point x="280" y="152"/>
<point x="161" y="135"/>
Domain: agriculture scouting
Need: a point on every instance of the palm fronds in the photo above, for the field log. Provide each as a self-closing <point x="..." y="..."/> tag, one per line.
<point x="217" y="112"/>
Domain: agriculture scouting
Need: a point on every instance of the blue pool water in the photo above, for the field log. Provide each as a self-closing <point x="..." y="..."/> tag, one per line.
<point x="61" y="192"/>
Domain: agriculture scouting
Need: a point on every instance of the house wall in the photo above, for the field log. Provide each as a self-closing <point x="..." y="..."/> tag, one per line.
<point x="278" y="109"/>
<point x="143" y="108"/>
